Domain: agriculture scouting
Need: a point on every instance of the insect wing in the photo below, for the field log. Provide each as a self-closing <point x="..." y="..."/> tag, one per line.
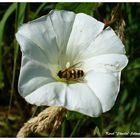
<point x="77" y="65"/>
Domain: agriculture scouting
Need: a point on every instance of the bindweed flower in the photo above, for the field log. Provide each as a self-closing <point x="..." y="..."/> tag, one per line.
<point x="70" y="60"/>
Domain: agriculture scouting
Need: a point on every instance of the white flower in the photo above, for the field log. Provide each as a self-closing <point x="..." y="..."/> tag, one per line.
<point x="62" y="39"/>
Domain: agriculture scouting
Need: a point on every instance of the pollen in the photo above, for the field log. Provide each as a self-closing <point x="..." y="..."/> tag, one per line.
<point x="67" y="65"/>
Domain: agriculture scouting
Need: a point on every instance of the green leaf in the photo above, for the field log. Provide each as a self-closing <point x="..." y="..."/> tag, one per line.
<point x="86" y="8"/>
<point x="135" y="64"/>
<point x="20" y="14"/>
<point x="77" y="127"/>
<point x="71" y="115"/>
<point x="96" y="132"/>
<point x="124" y="96"/>
<point x="133" y="107"/>
<point x="67" y="6"/>
<point x="7" y="14"/>
<point x="38" y="10"/>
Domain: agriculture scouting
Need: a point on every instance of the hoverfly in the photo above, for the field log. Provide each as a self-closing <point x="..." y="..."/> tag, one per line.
<point x="72" y="73"/>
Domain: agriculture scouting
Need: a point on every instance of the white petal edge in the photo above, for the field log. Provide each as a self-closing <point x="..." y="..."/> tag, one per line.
<point x="105" y="86"/>
<point x="31" y="50"/>
<point x="107" y="42"/>
<point x="32" y="76"/>
<point x="106" y="63"/>
<point x="62" y="22"/>
<point x="50" y="94"/>
<point x="76" y="97"/>
<point x="82" y="99"/>
<point x="48" y="33"/>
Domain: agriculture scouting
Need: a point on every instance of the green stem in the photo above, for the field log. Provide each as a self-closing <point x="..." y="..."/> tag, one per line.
<point x="34" y="112"/>
<point x="38" y="10"/>
<point x="20" y="9"/>
<point x="3" y="21"/>
<point x="12" y="84"/>
<point x="76" y="128"/>
<point x="102" y="126"/>
<point x="63" y="128"/>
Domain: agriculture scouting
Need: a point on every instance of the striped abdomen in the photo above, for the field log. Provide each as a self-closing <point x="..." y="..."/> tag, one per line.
<point x="71" y="74"/>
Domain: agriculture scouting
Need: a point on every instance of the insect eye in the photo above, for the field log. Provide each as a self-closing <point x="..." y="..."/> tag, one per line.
<point x="60" y="74"/>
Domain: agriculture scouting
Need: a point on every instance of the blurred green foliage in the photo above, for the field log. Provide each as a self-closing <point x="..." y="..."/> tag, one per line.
<point x="14" y="111"/>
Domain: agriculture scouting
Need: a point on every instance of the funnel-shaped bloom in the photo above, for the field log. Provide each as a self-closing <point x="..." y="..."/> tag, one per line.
<point x="61" y="40"/>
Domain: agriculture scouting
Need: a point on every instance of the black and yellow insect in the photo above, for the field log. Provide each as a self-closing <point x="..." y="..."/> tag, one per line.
<point x="72" y="73"/>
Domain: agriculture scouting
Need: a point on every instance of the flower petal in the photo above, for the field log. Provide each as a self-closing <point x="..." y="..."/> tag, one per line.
<point x="32" y="75"/>
<point x="85" y="29"/>
<point x="31" y="50"/>
<point x="107" y="42"/>
<point x="80" y="98"/>
<point x="51" y="42"/>
<point x="77" y="97"/>
<point x="105" y="86"/>
<point x="50" y="33"/>
<point x="106" y="63"/>
<point x="62" y="22"/>
<point x="52" y="94"/>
